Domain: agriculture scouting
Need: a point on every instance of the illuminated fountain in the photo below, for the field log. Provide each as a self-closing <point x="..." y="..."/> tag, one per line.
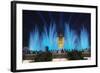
<point x="70" y="38"/>
<point x="34" y="40"/>
<point x="50" y="38"/>
<point x="69" y="41"/>
<point x="84" y="39"/>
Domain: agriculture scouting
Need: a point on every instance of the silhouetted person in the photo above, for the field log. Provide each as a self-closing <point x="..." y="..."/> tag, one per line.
<point x="47" y="49"/>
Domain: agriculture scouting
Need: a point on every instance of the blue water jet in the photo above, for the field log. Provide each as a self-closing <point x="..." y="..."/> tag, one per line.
<point x="84" y="39"/>
<point x="34" y="40"/>
<point x="48" y="38"/>
<point x="70" y="38"/>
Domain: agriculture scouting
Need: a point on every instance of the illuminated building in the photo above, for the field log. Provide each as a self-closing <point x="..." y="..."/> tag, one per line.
<point x="60" y="41"/>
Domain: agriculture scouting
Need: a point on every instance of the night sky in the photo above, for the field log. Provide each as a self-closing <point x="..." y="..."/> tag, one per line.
<point x="43" y="18"/>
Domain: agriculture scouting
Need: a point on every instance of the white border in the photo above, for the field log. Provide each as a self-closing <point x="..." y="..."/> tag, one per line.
<point x="21" y="65"/>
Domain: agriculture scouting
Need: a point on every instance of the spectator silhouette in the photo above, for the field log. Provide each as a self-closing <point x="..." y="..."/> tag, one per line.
<point x="47" y="49"/>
